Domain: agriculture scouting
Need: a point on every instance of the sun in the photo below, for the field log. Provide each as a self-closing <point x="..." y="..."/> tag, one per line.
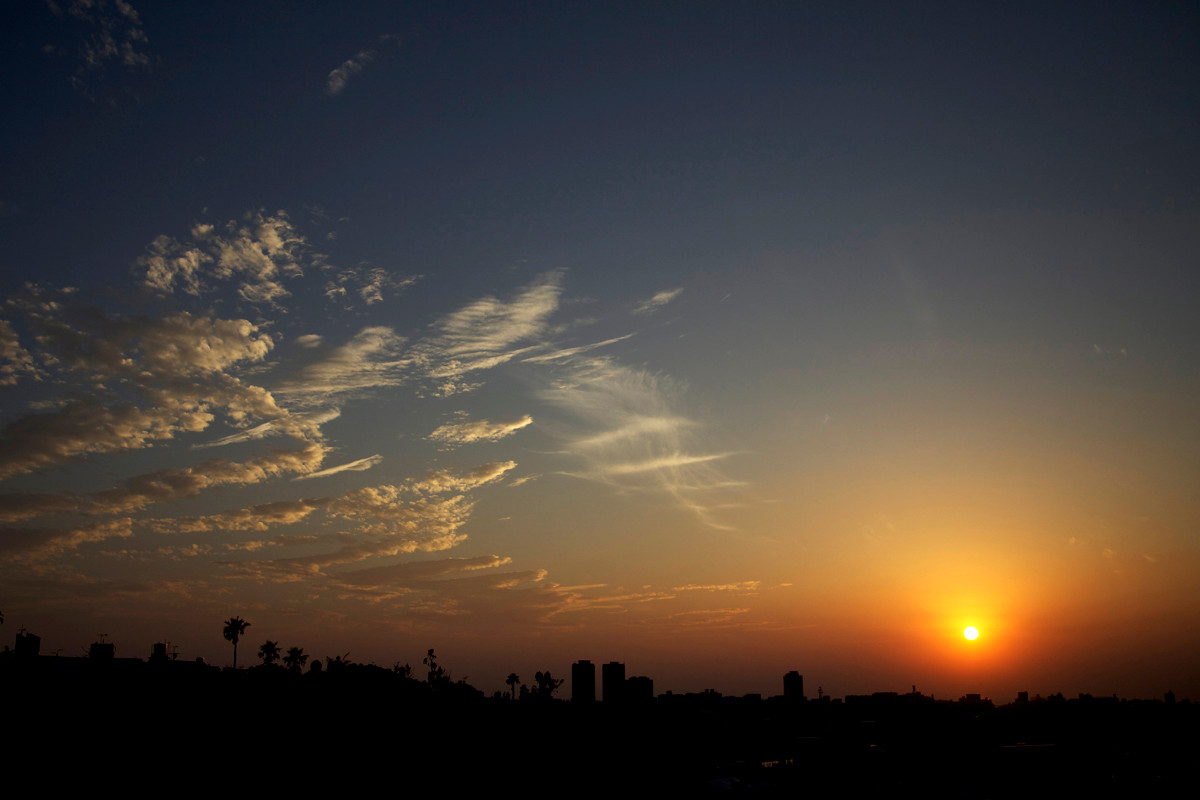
<point x="971" y="632"/>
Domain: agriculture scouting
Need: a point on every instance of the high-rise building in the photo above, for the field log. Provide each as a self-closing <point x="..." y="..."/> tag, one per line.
<point x="793" y="686"/>
<point x="612" y="676"/>
<point x="583" y="682"/>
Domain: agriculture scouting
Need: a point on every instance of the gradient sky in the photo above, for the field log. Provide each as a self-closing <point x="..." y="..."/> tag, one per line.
<point x="722" y="339"/>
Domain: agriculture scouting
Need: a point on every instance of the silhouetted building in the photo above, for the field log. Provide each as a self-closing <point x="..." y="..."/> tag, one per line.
<point x="793" y="686"/>
<point x="612" y="676"/>
<point x="639" y="689"/>
<point x="158" y="652"/>
<point x="102" y="651"/>
<point x="583" y="682"/>
<point x="28" y="645"/>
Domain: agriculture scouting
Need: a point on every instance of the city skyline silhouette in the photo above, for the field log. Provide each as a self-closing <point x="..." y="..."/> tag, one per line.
<point x="719" y="340"/>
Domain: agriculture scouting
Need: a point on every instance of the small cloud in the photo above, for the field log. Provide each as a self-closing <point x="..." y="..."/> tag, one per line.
<point x="354" y="466"/>
<point x="656" y="302"/>
<point x="335" y="84"/>
<point x="741" y="586"/>
<point x="309" y="340"/>
<point x="466" y="431"/>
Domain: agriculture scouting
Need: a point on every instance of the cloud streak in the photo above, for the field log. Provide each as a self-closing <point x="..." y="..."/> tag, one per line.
<point x="467" y="431"/>
<point x="657" y="301"/>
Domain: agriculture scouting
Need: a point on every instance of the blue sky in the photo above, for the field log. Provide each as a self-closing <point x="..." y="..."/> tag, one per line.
<point x="538" y="332"/>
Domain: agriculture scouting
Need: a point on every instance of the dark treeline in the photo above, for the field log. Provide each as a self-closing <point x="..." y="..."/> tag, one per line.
<point x="127" y="723"/>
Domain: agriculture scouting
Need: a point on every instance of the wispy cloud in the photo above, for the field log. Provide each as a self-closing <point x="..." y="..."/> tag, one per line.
<point x="466" y="431"/>
<point x="361" y="465"/>
<point x="335" y="84"/>
<point x="626" y="431"/>
<point x="569" y="352"/>
<point x="40" y="543"/>
<point x="489" y="332"/>
<point x="657" y="301"/>
<point x="369" y="360"/>
<point x="740" y="586"/>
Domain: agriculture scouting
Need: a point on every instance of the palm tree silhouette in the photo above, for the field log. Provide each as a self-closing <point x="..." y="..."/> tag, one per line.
<point x="269" y="652"/>
<point x="512" y="680"/>
<point x="295" y="659"/>
<point x="234" y="628"/>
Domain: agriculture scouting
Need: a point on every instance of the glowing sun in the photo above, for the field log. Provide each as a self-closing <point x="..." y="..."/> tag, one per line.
<point x="971" y="632"/>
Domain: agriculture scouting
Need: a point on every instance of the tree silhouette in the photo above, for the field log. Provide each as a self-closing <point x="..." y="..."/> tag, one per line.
<point x="335" y="664"/>
<point x="295" y="659"/>
<point x="436" y="674"/>
<point x="269" y="652"/>
<point x="234" y="628"/>
<point x="545" y="685"/>
<point x="512" y="680"/>
<point x="403" y="670"/>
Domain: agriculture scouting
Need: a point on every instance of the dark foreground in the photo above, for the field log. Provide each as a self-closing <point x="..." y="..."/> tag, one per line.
<point x="368" y="732"/>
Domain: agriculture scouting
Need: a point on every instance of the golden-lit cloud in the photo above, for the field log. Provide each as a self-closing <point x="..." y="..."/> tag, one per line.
<point x="361" y="465"/>
<point x="38" y="543"/>
<point x="467" y="431"/>
<point x="371" y="359"/>
<point x="257" y="254"/>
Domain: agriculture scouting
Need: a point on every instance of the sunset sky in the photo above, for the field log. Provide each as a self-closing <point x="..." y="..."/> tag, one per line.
<point x="721" y="339"/>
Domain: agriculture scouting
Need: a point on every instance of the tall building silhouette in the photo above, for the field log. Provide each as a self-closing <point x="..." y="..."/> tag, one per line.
<point x="793" y="686"/>
<point x="583" y="682"/>
<point x="612" y="677"/>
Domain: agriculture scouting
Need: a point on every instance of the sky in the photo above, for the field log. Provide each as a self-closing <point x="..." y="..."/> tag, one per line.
<point x="719" y="339"/>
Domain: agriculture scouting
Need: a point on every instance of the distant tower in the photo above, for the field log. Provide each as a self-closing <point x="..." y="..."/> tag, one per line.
<point x="583" y="682"/>
<point x="793" y="686"/>
<point x="612" y="676"/>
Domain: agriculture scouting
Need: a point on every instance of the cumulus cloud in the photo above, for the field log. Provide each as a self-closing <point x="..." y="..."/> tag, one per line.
<point x="15" y="360"/>
<point x="171" y="376"/>
<point x="660" y="299"/>
<point x="466" y="431"/>
<point x="419" y="516"/>
<point x="109" y="33"/>
<point x="335" y="84"/>
<point x="366" y="285"/>
<point x="257" y="254"/>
